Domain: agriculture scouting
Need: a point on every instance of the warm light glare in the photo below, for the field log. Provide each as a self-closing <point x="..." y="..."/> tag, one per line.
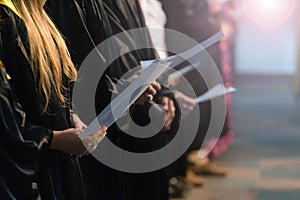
<point x="271" y="5"/>
<point x="269" y="12"/>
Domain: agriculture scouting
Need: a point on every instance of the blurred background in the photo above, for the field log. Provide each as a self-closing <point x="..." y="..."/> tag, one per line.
<point x="259" y="55"/>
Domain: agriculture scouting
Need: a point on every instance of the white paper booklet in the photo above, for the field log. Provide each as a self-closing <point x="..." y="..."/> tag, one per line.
<point x="179" y="58"/>
<point x="216" y="91"/>
<point x="126" y="98"/>
<point x="151" y="70"/>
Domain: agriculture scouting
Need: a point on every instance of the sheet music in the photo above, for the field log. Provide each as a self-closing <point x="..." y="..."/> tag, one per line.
<point x="126" y="98"/>
<point x="180" y="58"/>
<point x="214" y="92"/>
<point x="151" y="70"/>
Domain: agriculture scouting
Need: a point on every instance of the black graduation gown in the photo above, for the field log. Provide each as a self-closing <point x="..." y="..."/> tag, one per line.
<point x="59" y="175"/>
<point x="190" y="17"/>
<point x="21" y="146"/>
<point x="194" y="19"/>
<point x="102" y="20"/>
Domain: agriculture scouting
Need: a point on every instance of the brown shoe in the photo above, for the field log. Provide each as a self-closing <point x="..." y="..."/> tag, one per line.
<point x="193" y="179"/>
<point x="204" y="166"/>
<point x="196" y="156"/>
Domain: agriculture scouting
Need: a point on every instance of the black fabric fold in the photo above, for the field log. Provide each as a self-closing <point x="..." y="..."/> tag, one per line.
<point x="57" y="174"/>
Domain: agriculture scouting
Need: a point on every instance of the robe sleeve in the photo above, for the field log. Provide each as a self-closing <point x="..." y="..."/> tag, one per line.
<point x="21" y="143"/>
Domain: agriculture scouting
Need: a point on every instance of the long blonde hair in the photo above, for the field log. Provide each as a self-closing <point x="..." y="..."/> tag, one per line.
<point x="49" y="57"/>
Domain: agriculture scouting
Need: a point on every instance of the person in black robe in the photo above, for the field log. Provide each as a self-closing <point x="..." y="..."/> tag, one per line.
<point x="194" y="19"/>
<point x="101" y="20"/>
<point x="56" y="174"/>
<point x="20" y="150"/>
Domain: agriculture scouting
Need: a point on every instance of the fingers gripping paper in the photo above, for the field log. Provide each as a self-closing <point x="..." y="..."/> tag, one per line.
<point x="126" y="98"/>
<point x="151" y="70"/>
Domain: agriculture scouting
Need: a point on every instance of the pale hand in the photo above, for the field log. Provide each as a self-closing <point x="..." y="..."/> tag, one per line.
<point x="169" y="108"/>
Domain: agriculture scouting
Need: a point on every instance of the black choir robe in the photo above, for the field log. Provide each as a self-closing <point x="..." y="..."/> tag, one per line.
<point x="103" y="19"/>
<point x="194" y="19"/>
<point x="57" y="174"/>
<point x="21" y="146"/>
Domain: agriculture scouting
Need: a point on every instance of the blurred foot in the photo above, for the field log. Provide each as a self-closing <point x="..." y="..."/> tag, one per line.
<point x="193" y="179"/>
<point x="204" y="166"/>
<point x="209" y="169"/>
<point x="177" y="188"/>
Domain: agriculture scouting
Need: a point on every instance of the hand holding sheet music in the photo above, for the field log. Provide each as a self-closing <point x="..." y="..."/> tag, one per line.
<point x="126" y="98"/>
<point x="187" y="104"/>
<point x="151" y="70"/>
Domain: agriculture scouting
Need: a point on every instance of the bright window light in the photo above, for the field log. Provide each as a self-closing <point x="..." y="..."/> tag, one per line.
<point x="270" y="5"/>
<point x="269" y="12"/>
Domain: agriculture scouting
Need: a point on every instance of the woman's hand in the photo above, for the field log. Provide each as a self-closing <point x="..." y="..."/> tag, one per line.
<point x="168" y="106"/>
<point x="78" y="124"/>
<point x="91" y="142"/>
<point x="187" y="104"/>
<point x="68" y="141"/>
<point x="149" y="93"/>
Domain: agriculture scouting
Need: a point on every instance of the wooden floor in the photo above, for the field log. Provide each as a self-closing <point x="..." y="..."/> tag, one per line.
<point x="264" y="160"/>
